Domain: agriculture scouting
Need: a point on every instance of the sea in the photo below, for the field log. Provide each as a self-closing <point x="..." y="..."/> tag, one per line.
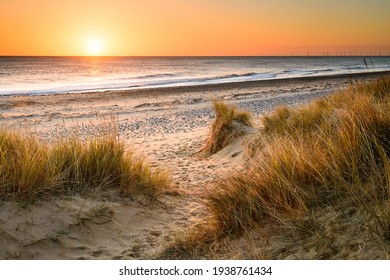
<point x="55" y="75"/>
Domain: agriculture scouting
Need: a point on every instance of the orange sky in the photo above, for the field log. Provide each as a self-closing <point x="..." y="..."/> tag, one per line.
<point x="194" y="27"/>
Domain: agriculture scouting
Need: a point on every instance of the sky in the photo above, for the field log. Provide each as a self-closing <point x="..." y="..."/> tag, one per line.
<point x="194" y="27"/>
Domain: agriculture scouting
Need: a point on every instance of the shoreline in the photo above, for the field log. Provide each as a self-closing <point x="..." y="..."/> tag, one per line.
<point x="211" y="87"/>
<point x="249" y="84"/>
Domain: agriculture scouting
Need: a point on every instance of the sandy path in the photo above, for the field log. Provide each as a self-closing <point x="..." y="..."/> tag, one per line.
<point x="107" y="227"/>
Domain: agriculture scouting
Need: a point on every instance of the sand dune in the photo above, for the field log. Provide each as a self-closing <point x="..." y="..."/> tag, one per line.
<point x="169" y="127"/>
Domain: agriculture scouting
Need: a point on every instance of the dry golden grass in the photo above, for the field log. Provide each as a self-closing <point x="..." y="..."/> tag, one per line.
<point x="29" y="166"/>
<point x="194" y="243"/>
<point x="23" y="167"/>
<point x="314" y="172"/>
<point x="334" y="148"/>
<point x="229" y="124"/>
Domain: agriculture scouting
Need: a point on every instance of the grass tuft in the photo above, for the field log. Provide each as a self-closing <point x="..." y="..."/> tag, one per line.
<point x="29" y="167"/>
<point x="24" y="165"/>
<point x="229" y="124"/>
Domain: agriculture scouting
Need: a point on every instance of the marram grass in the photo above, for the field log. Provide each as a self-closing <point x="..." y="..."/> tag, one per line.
<point x="334" y="149"/>
<point x="229" y="124"/>
<point x="29" y="167"/>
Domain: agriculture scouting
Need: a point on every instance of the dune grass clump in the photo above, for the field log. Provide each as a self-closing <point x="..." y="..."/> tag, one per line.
<point x="334" y="149"/>
<point x="229" y="124"/>
<point x="295" y="122"/>
<point x="24" y="165"/>
<point x="29" y="166"/>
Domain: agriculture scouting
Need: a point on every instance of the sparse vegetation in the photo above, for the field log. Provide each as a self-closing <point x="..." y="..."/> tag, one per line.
<point x="29" y="166"/>
<point x="229" y="124"/>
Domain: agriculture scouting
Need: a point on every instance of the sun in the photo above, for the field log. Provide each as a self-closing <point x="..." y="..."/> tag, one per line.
<point x="94" y="47"/>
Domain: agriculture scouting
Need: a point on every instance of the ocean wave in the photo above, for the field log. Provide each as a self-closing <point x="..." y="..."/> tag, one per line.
<point x="296" y="72"/>
<point x="149" y="76"/>
<point x="53" y="75"/>
<point x="145" y="81"/>
<point x="326" y="70"/>
<point x="355" y="67"/>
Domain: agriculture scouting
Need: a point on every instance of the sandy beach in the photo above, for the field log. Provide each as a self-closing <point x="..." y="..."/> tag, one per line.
<point x="167" y="125"/>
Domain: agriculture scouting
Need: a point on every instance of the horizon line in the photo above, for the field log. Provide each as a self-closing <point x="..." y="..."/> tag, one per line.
<point x="344" y="54"/>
